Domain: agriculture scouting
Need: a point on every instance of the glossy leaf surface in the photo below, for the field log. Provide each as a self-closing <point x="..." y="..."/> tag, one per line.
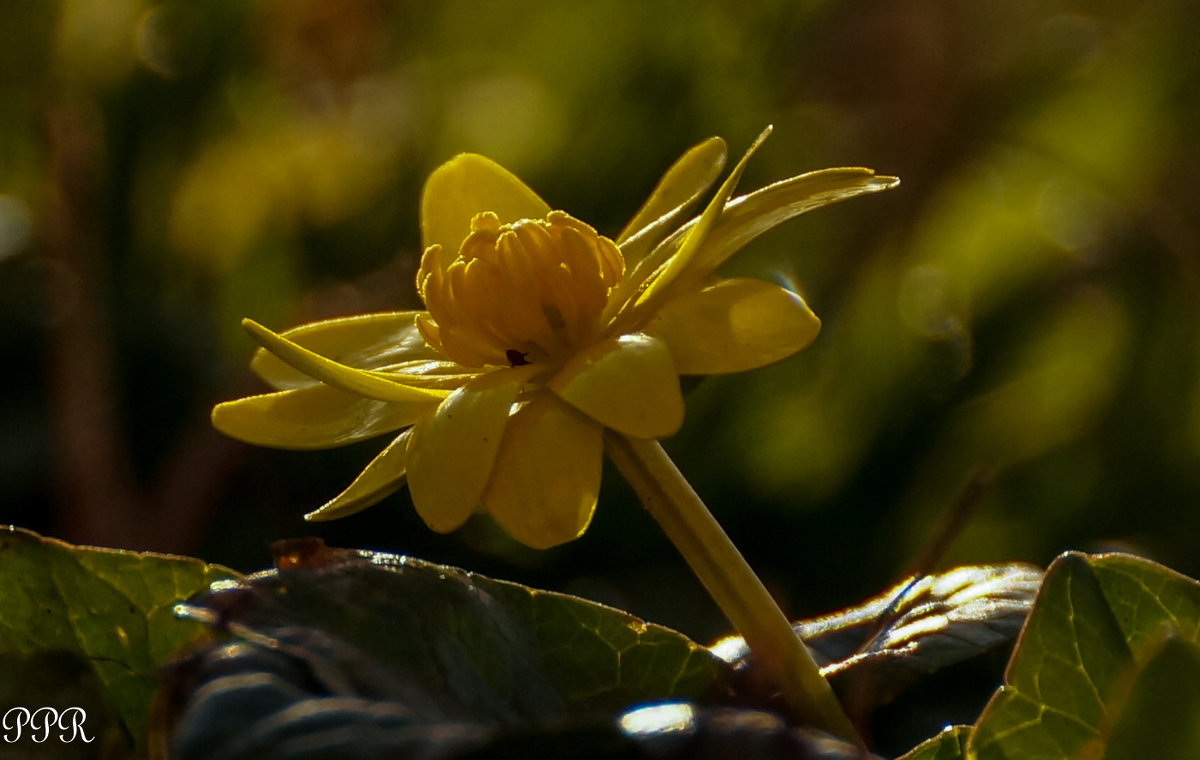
<point x="346" y="654"/>
<point x="950" y="744"/>
<point x="1095" y="637"/>
<point x="453" y="645"/>
<point x="111" y="609"/>
<point x="915" y="628"/>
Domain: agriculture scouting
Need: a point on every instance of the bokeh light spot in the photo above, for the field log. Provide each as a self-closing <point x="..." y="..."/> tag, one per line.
<point x="16" y="225"/>
<point x="169" y="39"/>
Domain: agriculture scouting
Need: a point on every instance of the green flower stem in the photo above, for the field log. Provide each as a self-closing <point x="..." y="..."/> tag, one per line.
<point x="739" y="593"/>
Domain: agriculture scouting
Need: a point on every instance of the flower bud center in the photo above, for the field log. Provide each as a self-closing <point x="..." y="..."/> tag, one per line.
<point x="529" y="292"/>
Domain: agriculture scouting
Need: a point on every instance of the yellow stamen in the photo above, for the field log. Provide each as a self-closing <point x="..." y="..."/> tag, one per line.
<point x="534" y="289"/>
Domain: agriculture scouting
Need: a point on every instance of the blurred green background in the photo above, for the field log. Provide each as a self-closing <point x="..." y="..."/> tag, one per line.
<point x="1026" y="302"/>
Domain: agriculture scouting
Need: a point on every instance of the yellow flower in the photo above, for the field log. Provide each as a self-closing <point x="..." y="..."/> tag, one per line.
<point x="538" y="334"/>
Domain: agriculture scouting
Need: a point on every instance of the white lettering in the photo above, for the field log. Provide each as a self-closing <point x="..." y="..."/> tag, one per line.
<point x="77" y="715"/>
<point x="42" y="721"/>
<point x="15" y="719"/>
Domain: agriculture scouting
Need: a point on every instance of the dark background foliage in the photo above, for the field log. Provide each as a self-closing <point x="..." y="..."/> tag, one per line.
<point x="1025" y="302"/>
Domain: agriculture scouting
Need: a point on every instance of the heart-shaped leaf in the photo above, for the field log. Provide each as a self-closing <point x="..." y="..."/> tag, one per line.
<point x="1108" y="637"/>
<point x="913" y="629"/>
<point x="950" y="744"/>
<point x="112" y="610"/>
<point x="388" y="642"/>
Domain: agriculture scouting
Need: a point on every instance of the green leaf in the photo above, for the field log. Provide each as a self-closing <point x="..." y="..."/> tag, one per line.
<point x="1097" y="628"/>
<point x="1144" y="596"/>
<point x="871" y="651"/>
<point x="1162" y="715"/>
<point x="66" y="683"/>
<point x="950" y="744"/>
<point x="114" y="609"/>
<point x="386" y="642"/>
<point x="472" y="647"/>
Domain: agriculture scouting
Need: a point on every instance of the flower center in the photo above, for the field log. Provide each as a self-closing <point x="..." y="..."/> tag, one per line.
<point x="530" y="292"/>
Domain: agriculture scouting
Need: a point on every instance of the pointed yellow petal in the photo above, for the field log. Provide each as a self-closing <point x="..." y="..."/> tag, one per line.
<point x="734" y="325"/>
<point x="362" y="382"/>
<point x="627" y="383"/>
<point x="452" y="451"/>
<point x="547" y="475"/>
<point x="748" y="216"/>
<point x="380" y="479"/>
<point x="655" y="274"/>
<point x="441" y="374"/>
<point x="318" y="417"/>
<point x="367" y="341"/>
<point x="687" y="179"/>
<point x="465" y="186"/>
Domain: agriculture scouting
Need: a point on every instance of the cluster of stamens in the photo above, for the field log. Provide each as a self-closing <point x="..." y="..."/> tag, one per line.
<point x="529" y="292"/>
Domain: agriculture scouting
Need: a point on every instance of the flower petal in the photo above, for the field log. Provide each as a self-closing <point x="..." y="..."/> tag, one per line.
<point x="547" y="475"/>
<point x="367" y="341"/>
<point x="734" y="325"/>
<point x="645" y="290"/>
<point x="317" y="417"/>
<point x="452" y="451"/>
<point x="748" y="216"/>
<point x="378" y="480"/>
<point x="461" y="188"/>
<point x="628" y="383"/>
<point x="687" y="179"/>
<point x="440" y="374"/>
<point x="362" y="382"/>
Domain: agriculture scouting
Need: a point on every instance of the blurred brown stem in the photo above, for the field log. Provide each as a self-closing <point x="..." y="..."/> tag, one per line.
<point x="99" y="500"/>
<point x="95" y="488"/>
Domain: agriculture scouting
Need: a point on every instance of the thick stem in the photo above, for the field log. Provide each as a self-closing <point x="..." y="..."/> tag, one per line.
<point x="739" y="593"/>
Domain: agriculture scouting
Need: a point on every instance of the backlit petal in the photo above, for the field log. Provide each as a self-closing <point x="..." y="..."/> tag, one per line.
<point x="380" y="479"/>
<point x="734" y="325"/>
<point x="362" y="382"/>
<point x="748" y="216"/>
<point x="461" y="188"/>
<point x="547" y="475"/>
<point x="646" y="288"/>
<point x="452" y="451"/>
<point x="687" y="179"/>
<point x="367" y="341"/>
<point x="627" y="383"/>
<point x="441" y="374"/>
<point x="316" y="417"/>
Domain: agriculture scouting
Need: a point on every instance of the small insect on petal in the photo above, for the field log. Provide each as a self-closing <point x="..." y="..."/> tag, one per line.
<point x="516" y="358"/>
